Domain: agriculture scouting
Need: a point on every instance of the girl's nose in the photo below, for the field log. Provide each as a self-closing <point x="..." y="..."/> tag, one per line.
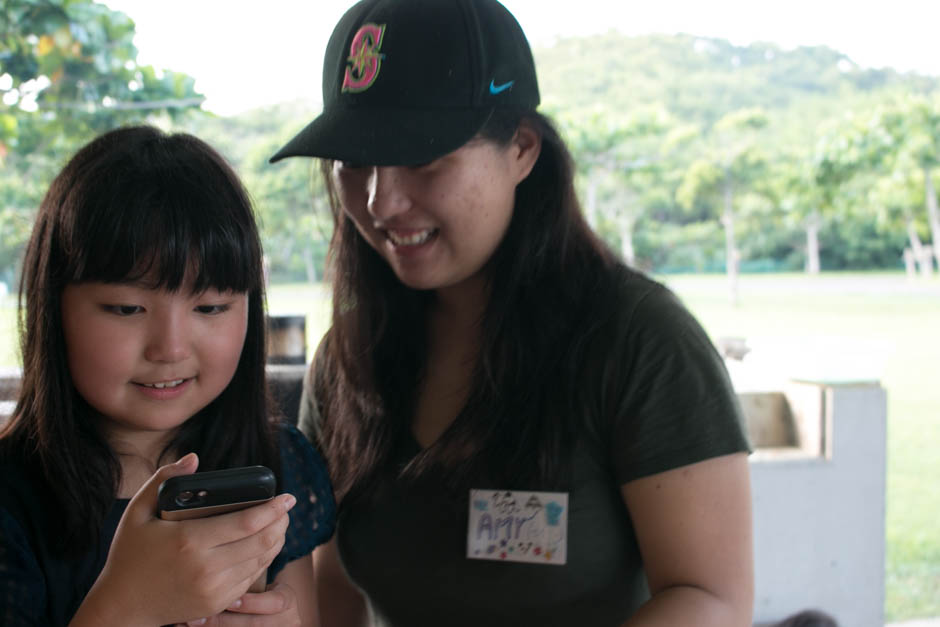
<point x="168" y="340"/>
<point x="388" y="192"/>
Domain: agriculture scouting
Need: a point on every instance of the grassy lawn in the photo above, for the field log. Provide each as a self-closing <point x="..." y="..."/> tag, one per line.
<point x="836" y="325"/>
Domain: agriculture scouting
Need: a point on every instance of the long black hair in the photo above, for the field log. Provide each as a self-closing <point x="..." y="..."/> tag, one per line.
<point x="544" y="278"/>
<point x="135" y="204"/>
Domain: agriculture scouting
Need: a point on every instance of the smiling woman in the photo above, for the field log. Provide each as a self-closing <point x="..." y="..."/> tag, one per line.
<point x="437" y="224"/>
<point x="533" y="424"/>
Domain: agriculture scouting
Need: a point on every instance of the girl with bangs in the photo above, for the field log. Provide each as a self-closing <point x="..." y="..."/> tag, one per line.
<point x="143" y="346"/>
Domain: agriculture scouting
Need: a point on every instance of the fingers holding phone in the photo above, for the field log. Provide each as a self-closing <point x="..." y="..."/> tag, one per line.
<point x="247" y="541"/>
<point x="208" y="494"/>
<point x="205" y="494"/>
<point x="164" y="572"/>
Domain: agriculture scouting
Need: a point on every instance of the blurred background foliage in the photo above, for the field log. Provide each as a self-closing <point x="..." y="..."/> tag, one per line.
<point x="691" y="151"/>
<point x="694" y="155"/>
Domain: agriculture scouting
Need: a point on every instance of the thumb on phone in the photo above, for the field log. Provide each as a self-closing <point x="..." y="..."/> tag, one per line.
<point x="144" y="504"/>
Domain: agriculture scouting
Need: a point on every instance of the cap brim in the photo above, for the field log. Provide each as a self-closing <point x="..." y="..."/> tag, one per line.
<point x="386" y="137"/>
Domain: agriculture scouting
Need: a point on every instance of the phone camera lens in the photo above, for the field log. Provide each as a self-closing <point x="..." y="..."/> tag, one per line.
<point x="184" y="497"/>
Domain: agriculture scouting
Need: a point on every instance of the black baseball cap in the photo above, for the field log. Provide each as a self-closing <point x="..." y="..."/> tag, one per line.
<point x="407" y="81"/>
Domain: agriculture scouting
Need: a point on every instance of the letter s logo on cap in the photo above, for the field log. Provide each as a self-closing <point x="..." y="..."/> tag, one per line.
<point x="364" y="58"/>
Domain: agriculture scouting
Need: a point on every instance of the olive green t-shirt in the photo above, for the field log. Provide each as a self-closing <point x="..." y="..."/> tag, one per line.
<point x="660" y="398"/>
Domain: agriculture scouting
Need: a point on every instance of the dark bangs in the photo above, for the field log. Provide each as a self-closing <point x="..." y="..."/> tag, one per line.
<point x="167" y="215"/>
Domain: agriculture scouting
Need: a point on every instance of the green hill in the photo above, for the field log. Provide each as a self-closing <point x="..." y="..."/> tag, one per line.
<point x="700" y="79"/>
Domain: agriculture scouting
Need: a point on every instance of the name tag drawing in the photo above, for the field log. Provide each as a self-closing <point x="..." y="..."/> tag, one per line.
<point x="518" y="526"/>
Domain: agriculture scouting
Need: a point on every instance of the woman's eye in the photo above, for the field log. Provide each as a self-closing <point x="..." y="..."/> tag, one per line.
<point x="351" y="169"/>
<point x="211" y="310"/>
<point x="123" y="310"/>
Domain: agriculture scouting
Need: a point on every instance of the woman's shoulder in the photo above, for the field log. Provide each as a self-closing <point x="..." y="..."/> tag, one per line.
<point x="316" y="388"/>
<point x="639" y="321"/>
<point x="627" y="296"/>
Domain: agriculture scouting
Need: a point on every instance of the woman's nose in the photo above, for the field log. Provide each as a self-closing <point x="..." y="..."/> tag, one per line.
<point x="388" y="193"/>
<point x="169" y="338"/>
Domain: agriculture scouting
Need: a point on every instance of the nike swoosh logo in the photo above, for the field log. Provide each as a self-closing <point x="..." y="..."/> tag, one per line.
<point x="495" y="89"/>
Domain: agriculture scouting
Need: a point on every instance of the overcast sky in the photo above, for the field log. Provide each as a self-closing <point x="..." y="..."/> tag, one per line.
<point x="245" y="54"/>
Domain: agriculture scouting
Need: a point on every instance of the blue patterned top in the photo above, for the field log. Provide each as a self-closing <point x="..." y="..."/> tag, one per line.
<point x="40" y="587"/>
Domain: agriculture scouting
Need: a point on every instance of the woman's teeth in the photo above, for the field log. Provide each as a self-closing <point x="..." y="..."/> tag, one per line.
<point x="164" y="384"/>
<point x="412" y="238"/>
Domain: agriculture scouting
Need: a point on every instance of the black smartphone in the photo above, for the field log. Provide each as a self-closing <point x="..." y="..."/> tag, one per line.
<point x="214" y="492"/>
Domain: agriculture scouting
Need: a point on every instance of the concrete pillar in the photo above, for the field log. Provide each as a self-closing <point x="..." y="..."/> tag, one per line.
<point x="819" y="507"/>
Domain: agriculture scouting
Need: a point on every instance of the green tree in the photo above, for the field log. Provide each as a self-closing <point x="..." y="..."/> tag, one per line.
<point x="621" y="158"/>
<point x="289" y="197"/>
<point x="732" y="165"/>
<point x="914" y="125"/>
<point x="68" y="71"/>
<point x="800" y="200"/>
<point x="897" y="143"/>
<point x="292" y="205"/>
<point x="894" y="197"/>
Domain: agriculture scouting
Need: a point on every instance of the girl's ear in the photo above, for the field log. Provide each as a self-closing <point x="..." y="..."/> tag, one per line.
<point x="526" y="146"/>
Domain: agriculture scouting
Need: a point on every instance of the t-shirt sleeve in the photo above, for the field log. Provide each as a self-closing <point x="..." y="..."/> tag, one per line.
<point x="673" y="403"/>
<point x="313" y="518"/>
<point x="22" y="585"/>
<point x="309" y="417"/>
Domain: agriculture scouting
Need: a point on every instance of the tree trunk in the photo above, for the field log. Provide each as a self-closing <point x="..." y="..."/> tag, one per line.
<point x="732" y="257"/>
<point x="933" y="214"/>
<point x="910" y="265"/>
<point x="309" y="265"/>
<point x="591" y="208"/>
<point x="812" y="243"/>
<point x="627" y="222"/>
<point x="921" y="256"/>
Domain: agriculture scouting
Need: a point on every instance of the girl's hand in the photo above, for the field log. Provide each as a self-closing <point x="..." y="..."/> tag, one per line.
<point x="163" y="572"/>
<point x="276" y="607"/>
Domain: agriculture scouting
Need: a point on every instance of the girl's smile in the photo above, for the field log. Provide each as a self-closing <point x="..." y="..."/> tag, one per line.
<point x="165" y="390"/>
<point x="167" y="384"/>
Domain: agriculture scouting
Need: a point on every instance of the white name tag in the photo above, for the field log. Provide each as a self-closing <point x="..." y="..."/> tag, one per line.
<point x="516" y="526"/>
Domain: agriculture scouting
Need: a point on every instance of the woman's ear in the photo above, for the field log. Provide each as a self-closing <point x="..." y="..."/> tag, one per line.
<point x="526" y="146"/>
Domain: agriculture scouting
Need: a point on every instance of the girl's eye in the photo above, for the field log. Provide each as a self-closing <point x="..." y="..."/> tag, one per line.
<point x="123" y="310"/>
<point x="212" y="310"/>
